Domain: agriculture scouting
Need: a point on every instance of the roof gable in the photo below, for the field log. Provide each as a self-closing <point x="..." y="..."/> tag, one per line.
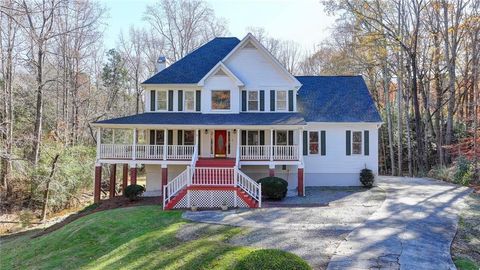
<point x="221" y="70"/>
<point x="336" y="99"/>
<point x="194" y="66"/>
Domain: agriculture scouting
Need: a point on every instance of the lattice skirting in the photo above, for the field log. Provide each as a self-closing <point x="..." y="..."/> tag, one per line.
<point x="210" y="199"/>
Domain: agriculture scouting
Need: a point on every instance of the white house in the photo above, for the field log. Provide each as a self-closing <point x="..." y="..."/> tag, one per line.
<point x="228" y="114"/>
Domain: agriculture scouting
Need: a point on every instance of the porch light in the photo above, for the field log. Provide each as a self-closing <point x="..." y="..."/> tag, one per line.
<point x="206" y="131"/>
<point x="234" y="131"/>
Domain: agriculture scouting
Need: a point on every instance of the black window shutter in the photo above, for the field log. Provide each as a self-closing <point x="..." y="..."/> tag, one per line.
<point x="272" y="100"/>
<point x="152" y="100"/>
<point x="274" y="138"/>
<point x="198" y="100"/>
<point x="244" y="137"/>
<point x="366" y="141"/>
<point x="179" y="137"/>
<point x="180" y="100"/>
<point x="290" y="100"/>
<point x="244" y="101"/>
<point x="323" y="143"/>
<point x="262" y="137"/>
<point x="290" y="137"/>
<point x="305" y="142"/>
<point x="152" y="137"/>
<point x="170" y="137"/>
<point x="262" y="100"/>
<point x="348" y="144"/>
<point x="199" y="141"/>
<point x="170" y="100"/>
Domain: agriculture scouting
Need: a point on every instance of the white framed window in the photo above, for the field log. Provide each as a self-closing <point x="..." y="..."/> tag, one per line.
<point x="221" y="100"/>
<point x="253" y="137"/>
<point x="188" y="137"/>
<point x="159" y="137"/>
<point x="162" y="100"/>
<point x="357" y="142"/>
<point x="313" y="146"/>
<point x="189" y="101"/>
<point x="281" y="137"/>
<point x="253" y="100"/>
<point x="281" y="100"/>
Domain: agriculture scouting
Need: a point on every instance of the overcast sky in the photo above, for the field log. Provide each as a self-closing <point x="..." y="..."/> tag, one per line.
<point x="301" y="20"/>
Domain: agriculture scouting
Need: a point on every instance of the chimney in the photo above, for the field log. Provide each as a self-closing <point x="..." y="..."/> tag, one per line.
<point x="161" y="63"/>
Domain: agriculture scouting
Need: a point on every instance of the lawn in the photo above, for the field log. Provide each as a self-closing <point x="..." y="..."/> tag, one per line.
<point x="141" y="237"/>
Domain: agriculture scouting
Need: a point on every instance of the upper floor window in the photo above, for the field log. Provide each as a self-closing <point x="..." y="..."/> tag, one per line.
<point x="282" y="100"/>
<point x="357" y="142"/>
<point x="221" y="100"/>
<point x="162" y="100"/>
<point x="189" y="100"/>
<point x="253" y="100"/>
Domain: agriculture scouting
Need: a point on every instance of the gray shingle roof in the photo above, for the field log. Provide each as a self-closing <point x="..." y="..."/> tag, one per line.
<point x="336" y="99"/>
<point x="178" y="118"/>
<point x="195" y="65"/>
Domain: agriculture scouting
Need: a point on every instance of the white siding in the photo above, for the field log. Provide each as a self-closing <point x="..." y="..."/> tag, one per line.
<point x="217" y="82"/>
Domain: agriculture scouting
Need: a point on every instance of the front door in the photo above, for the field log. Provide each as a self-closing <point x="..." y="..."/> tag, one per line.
<point x="220" y="143"/>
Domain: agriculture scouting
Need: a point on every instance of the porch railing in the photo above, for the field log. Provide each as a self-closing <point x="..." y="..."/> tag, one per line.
<point x="209" y="176"/>
<point x="176" y="185"/>
<point x="180" y="151"/>
<point x="267" y="152"/>
<point x="146" y="151"/>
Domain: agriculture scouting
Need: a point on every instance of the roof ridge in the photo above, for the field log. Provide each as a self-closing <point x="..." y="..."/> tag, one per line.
<point x="328" y="76"/>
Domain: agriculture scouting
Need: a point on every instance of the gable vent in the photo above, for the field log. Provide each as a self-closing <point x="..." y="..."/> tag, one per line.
<point x="220" y="72"/>
<point x="249" y="45"/>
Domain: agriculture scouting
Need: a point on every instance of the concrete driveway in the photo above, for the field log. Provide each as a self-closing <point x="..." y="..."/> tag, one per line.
<point x="405" y="223"/>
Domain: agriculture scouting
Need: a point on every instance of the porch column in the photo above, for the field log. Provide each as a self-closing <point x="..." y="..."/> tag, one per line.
<point x="164" y="175"/>
<point x="271" y="144"/>
<point x="301" y="185"/>
<point x="99" y="138"/>
<point x="271" y="170"/>
<point x="133" y="174"/>
<point x="97" y="183"/>
<point x="165" y="139"/>
<point x="134" y="148"/>
<point x="113" y="176"/>
<point x="239" y="148"/>
<point x="125" y="178"/>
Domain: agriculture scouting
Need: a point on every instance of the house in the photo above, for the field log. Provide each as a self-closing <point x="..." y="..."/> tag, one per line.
<point x="228" y="114"/>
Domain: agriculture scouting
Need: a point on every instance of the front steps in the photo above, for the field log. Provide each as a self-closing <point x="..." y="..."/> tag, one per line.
<point x="215" y="162"/>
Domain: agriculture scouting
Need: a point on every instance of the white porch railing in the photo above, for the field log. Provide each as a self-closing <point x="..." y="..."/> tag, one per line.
<point x="264" y="152"/>
<point x="251" y="187"/>
<point x="146" y="151"/>
<point x="207" y="176"/>
<point x="176" y="185"/>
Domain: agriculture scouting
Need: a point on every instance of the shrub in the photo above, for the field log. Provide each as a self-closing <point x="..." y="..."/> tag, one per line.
<point x="132" y="192"/>
<point x="367" y="178"/>
<point x="440" y="172"/>
<point x="464" y="171"/>
<point x="271" y="259"/>
<point x="274" y="188"/>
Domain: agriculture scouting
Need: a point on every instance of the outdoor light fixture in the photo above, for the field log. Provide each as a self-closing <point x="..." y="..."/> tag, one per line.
<point x="206" y="131"/>
<point x="234" y="131"/>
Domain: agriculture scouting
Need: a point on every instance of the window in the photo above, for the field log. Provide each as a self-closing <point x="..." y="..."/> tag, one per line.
<point x="162" y="100"/>
<point x="281" y="100"/>
<point x="313" y="142"/>
<point x="188" y="137"/>
<point x="189" y="101"/>
<point x="253" y="100"/>
<point x="221" y="100"/>
<point x="159" y="137"/>
<point x="357" y="142"/>
<point x="253" y="137"/>
<point x="282" y="137"/>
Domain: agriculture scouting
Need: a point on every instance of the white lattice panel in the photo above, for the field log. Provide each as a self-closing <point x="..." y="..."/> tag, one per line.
<point x="241" y="203"/>
<point x="210" y="199"/>
<point x="183" y="203"/>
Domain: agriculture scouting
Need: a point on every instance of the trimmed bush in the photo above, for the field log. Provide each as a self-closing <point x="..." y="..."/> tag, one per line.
<point x="367" y="178"/>
<point x="133" y="192"/>
<point x="463" y="172"/>
<point x="272" y="259"/>
<point x="274" y="188"/>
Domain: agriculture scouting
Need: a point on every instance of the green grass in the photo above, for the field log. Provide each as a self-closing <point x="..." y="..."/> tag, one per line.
<point x="130" y="238"/>
<point x="466" y="264"/>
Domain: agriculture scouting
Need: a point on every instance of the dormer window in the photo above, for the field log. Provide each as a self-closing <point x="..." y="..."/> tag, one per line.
<point x="253" y="100"/>
<point x="221" y="100"/>
<point x="282" y="100"/>
<point x="162" y="100"/>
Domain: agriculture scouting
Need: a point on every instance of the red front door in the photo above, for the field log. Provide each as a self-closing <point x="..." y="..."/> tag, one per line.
<point x="220" y="143"/>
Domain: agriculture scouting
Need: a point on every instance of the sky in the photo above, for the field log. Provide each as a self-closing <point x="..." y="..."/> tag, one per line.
<point x="303" y="21"/>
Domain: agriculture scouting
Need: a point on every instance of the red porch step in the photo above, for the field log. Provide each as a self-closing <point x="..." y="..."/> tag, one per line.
<point x="176" y="199"/>
<point x="252" y="203"/>
<point x="215" y="162"/>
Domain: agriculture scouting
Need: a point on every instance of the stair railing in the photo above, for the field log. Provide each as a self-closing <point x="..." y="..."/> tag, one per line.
<point x="176" y="185"/>
<point x="248" y="185"/>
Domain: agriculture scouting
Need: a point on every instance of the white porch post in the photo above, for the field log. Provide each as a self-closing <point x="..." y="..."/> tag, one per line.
<point x="239" y="146"/>
<point x="165" y="138"/>
<point x="113" y="136"/>
<point x="134" y="148"/>
<point x="196" y="141"/>
<point x="99" y="137"/>
<point x="271" y="144"/>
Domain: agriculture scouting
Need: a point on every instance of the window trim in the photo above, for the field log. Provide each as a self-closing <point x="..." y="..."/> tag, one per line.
<point x="276" y="137"/>
<point x="185" y="109"/>
<point x="211" y="99"/>
<point x="184" y="131"/>
<point x="248" y="101"/>
<point x="156" y="131"/>
<point x="156" y="100"/>
<point x="252" y="131"/>
<point x="277" y="108"/>
<point x="361" y="143"/>
<point x="318" y="142"/>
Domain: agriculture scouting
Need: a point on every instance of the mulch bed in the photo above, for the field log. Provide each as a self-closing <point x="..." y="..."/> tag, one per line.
<point x="116" y="202"/>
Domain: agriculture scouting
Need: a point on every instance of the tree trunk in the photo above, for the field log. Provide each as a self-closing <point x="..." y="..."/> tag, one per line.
<point x="46" y="193"/>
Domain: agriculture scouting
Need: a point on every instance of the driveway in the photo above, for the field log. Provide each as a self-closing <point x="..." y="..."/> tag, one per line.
<point x="404" y="223"/>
